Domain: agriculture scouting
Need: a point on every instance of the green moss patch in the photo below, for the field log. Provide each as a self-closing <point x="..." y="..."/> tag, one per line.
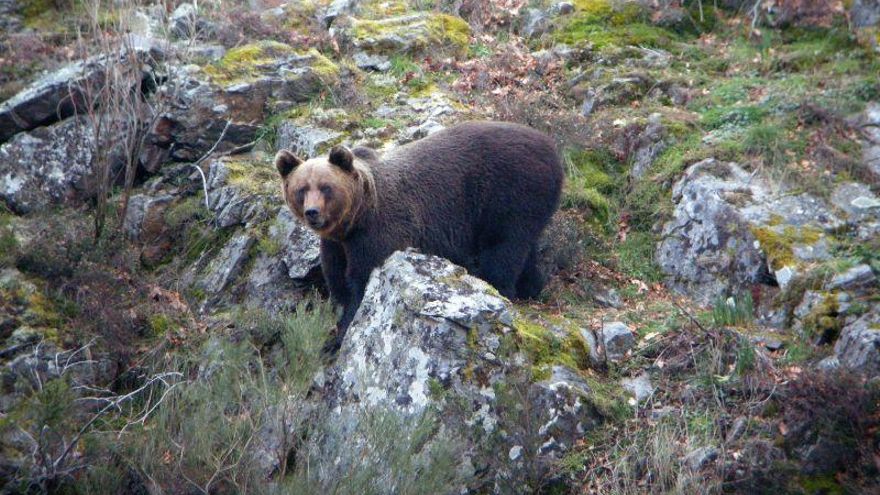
<point x="253" y="175"/>
<point x="247" y="63"/>
<point x="604" y="26"/>
<point x="546" y="348"/>
<point x="442" y="31"/>
<point x="777" y="243"/>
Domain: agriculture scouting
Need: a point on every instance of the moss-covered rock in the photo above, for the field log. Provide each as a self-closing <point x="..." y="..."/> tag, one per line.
<point x="414" y="33"/>
<point x="252" y="62"/>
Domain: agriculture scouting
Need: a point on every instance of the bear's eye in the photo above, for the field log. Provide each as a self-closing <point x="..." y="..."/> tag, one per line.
<point x="300" y="195"/>
<point x="326" y="190"/>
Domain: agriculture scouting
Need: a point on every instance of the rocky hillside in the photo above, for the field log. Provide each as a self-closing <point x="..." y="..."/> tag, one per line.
<point x="712" y="318"/>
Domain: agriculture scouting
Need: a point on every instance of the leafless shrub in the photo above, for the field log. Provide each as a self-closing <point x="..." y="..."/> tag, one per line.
<point x="115" y="103"/>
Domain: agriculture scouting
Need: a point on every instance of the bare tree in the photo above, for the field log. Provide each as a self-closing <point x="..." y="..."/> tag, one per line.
<point x="118" y="112"/>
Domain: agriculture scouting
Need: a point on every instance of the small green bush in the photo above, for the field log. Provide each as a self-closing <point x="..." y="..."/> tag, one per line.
<point x="734" y="311"/>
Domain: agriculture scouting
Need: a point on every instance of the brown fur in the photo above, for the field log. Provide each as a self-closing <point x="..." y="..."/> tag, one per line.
<point x="350" y="192"/>
<point x="478" y="194"/>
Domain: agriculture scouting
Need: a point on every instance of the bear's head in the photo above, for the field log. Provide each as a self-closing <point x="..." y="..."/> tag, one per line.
<point x="328" y="194"/>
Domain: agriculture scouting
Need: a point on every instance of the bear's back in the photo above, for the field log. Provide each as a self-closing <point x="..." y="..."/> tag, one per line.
<point x="467" y="182"/>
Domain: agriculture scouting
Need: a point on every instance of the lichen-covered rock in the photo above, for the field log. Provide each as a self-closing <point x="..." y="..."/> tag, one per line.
<point x="306" y="141"/>
<point x="640" y="386"/>
<point x="428" y="335"/>
<point x="143" y="213"/>
<point x="618" y="340"/>
<point x="732" y="229"/>
<point x="238" y="188"/>
<point x="231" y="97"/>
<point x="337" y="8"/>
<point x="413" y="33"/>
<point x="869" y="124"/>
<point x="864" y="13"/>
<point x="861" y="207"/>
<point x="859" y="280"/>
<point x="535" y="22"/>
<point x="858" y="347"/>
<point x="300" y="247"/>
<point x="374" y="62"/>
<point x="186" y="23"/>
<point x="649" y="146"/>
<point x="49" y="165"/>
<point x="59" y="94"/>
<point x="228" y="264"/>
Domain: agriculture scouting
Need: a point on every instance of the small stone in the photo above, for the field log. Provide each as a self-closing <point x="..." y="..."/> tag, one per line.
<point x="618" y="339"/>
<point x="589" y="103"/>
<point x="366" y="61"/>
<point x="737" y="428"/>
<point x="772" y="344"/>
<point x="661" y="412"/>
<point x="640" y="386"/>
<point x="515" y="452"/>
<point x="700" y="458"/>
<point x="563" y="8"/>
<point x="187" y="23"/>
<point x="828" y="364"/>
<point x="608" y="298"/>
<point x="596" y="359"/>
<point x="785" y="275"/>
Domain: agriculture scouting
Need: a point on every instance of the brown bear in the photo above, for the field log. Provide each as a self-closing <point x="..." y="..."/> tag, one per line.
<point x="478" y="194"/>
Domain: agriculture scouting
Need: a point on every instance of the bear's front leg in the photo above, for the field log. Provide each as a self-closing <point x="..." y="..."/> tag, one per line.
<point x="334" y="267"/>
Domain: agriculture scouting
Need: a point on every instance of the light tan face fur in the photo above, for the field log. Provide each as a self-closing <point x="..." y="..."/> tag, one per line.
<point x="321" y="195"/>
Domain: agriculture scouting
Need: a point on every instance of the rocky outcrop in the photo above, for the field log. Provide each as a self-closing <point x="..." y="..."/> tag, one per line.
<point x="306" y="141"/>
<point x="60" y="94"/>
<point x="223" y="105"/>
<point x="420" y="32"/>
<point x="300" y="247"/>
<point x="858" y="347"/>
<point x="49" y="165"/>
<point x="732" y="229"/>
<point x="428" y="336"/>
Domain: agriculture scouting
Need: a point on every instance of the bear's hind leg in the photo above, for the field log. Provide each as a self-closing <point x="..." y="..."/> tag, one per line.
<point x="501" y="265"/>
<point x="531" y="281"/>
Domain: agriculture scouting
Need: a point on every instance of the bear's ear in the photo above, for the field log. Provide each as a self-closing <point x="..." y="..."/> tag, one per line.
<point x="285" y="162"/>
<point x="342" y="158"/>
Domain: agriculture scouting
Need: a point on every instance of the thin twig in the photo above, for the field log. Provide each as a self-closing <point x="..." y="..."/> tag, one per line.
<point x="687" y="313"/>
<point x="197" y="163"/>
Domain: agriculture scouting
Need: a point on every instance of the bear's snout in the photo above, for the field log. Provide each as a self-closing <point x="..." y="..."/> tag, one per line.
<point x="312" y="215"/>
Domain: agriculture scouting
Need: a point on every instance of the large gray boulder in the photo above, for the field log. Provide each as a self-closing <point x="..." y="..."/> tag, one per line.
<point x="428" y="336"/>
<point x="49" y="165"/>
<point x="864" y="13"/>
<point x="858" y="347"/>
<point x="732" y="229"/>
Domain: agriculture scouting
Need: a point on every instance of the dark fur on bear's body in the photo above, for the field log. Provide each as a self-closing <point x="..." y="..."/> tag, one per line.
<point x="478" y="194"/>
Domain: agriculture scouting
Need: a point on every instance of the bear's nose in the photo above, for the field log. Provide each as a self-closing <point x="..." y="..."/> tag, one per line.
<point x="312" y="214"/>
